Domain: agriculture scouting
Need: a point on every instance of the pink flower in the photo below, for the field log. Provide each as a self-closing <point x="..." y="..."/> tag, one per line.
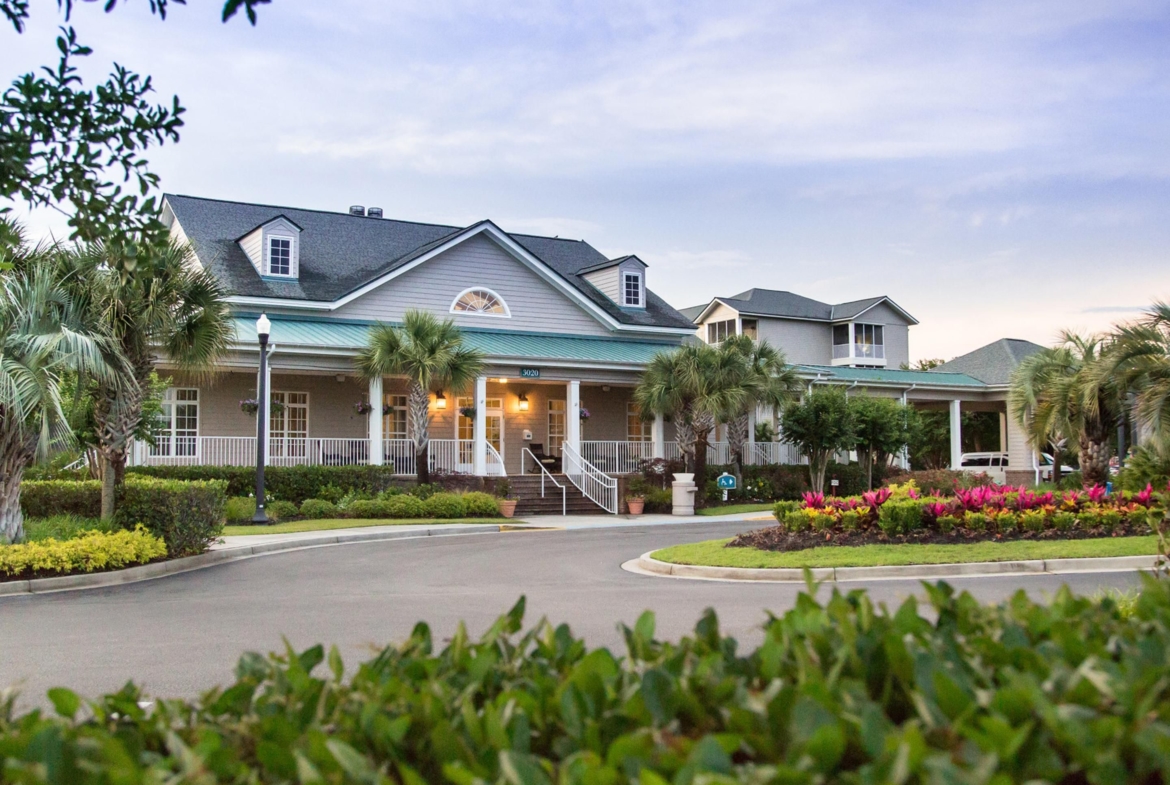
<point x="875" y="499"/>
<point x="935" y="510"/>
<point x="814" y="500"/>
<point x="913" y="494"/>
<point x="1097" y="494"/>
<point x="1143" y="497"/>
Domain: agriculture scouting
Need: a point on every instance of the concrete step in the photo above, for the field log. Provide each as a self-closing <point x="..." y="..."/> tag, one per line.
<point x="527" y="490"/>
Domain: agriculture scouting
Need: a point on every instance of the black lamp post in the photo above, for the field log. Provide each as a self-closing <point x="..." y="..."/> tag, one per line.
<point x="263" y="328"/>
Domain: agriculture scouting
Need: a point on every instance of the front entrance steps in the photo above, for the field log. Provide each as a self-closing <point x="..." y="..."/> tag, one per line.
<point x="526" y="488"/>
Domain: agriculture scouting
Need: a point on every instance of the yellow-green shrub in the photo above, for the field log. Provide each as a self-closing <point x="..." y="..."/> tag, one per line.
<point x="477" y="503"/>
<point x="90" y="552"/>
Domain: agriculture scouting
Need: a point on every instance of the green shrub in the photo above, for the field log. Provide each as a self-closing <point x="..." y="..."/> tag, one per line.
<point x="1063" y="521"/>
<point x="850" y="520"/>
<point x="1007" y="521"/>
<point x="318" y="508"/>
<point x="796" y="521"/>
<point x="977" y="521"/>
<point x="329" y="492"/>
<point x="426" y="491"/>
<point x="479" y="504"/>
<point x="445" y="505"/>
<point x="91" y="551"/>
<point x="370" y="508"/>
<point x="280" y="510"/>
<point x="900" y="517"/>
<point x="1033" y="521"/>
<point x="947" y="523"/>
<point x="823" y="522"/>
<point x="858" y="693"/>
<point x="659" y="500"/>
<point x="781" y="508"/>
<point x="1089" y="519"/>
<point x="405" y="506"/>
<point x="188" y="516"/>
<point x="1110" y="519"/>
<point x="46" y="498"/>
<point x="290" y="483"/>
<point x="941" y="480"/>
<point x="239" y="509"/>
<point x="63" y="527"/>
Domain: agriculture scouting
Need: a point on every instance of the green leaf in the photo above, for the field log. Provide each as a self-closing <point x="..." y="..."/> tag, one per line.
<point x="65" y="702"/>
<point x="520" y="769"/>
<point x="658" y="695"/>
<point x="351" y="761"/>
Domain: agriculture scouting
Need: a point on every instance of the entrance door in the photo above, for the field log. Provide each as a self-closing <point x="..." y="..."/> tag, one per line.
<point x="465" y="430"/>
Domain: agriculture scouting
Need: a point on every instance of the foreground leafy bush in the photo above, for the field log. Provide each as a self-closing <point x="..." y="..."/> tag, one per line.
<point x="88" y="552"/>
<point x="46" y="498"/>
<point x="1073" y="691"/>
<point x="187" y="515"/>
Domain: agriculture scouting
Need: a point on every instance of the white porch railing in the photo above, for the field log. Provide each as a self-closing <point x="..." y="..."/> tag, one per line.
<point x="400" y="454"/>
<point x="197" y="451"/>
<point x="617" y="457"/>
<point x="593" y="483"/>
<point x="495" y="463"/>
<point x="453" y="456"/>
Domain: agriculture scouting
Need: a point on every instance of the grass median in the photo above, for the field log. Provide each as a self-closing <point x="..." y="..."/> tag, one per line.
<point x="735" y="509"/>
<point x="325" y="524"/>
<point x="712" y="553"/>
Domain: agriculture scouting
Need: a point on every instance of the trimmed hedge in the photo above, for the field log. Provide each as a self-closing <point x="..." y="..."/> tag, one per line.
<point x="404" y="505"/>
<point x="445" y="505"/>
<point x="288" y="483"/>
<point x="90" y="551"/>
<point x="188" y="516"/>
<point x="1067" y="691"/>
<point x="318" y="508"/>
<point x="478" y="504"/>
<point x="47" y="498"/>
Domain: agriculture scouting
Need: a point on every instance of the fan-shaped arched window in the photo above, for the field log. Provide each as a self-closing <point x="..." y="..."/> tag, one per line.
<point x="479" y="300"/>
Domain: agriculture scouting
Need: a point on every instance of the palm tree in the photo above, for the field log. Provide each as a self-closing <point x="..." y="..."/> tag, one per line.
<point x="1138" y="361"/>
<point x="431" y="355"/>
<point x="43" y="337"/>
<point x="152" y="300"/>
<point x="1060" y="392"/>
<point x="695" y="384"/>
<point x="767" y="379"/>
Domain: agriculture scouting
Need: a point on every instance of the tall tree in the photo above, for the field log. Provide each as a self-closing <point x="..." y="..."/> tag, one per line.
<point x="1061" y="390"/>
<point x="767" y="381"/>
<point x="694" y="384"/>
<point x="880" y="427"/>
<point x="157" y="303"/>
<point x="432" y="356"/>
<point x="44" y="336"/>
<point x="1138" y="361"/>
<point x="820" y="426"/>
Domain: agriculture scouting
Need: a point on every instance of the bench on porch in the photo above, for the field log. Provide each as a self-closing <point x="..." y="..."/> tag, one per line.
<point x="551" y="463"/>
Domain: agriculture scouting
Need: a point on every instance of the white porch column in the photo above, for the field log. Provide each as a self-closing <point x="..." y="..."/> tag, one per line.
<point x="956" y="436"/>
<point x="573" y="416"/>
<point x="1003" y="437"/>
<point x="376" y="457"/>
<point x="658" y="437"/>
<point x="479" y="445"/>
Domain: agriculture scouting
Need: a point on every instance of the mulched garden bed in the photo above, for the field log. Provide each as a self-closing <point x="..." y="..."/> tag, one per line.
<point x="777" y="538"/>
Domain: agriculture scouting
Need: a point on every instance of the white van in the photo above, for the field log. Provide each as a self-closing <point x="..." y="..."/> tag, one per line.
<point x="993" y="464"/>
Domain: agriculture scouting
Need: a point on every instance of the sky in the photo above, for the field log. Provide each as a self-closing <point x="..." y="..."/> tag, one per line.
<point x="999" y="169"/>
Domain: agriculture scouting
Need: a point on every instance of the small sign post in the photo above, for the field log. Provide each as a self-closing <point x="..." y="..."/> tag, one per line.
<point x="726" y="483"/>
<point x="833" y="483"/>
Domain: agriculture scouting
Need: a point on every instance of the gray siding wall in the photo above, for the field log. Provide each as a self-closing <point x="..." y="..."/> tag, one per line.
<point x="434" y="285"/>
<point x="809" y="343"/>
<point x="896" y="331"/>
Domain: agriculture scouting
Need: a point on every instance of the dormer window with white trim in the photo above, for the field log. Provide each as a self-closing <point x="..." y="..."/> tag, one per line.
<point x="280" y="255"/>
<point x="632" y="294"/>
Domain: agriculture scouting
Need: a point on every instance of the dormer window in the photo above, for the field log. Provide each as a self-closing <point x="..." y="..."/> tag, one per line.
<point x="280" y="255"/>
<point x="483" y="302"/>
<point x="632" y="290"/>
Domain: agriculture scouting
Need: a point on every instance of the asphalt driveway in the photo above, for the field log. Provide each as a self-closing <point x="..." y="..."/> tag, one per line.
<point x="182" y="634"/>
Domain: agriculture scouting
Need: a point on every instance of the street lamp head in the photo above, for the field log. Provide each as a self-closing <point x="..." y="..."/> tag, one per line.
<point x="263" y="326"/>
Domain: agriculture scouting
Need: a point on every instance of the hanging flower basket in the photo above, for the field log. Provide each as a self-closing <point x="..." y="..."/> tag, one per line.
<point x="251" y="406"/>
<point x="387" y="410"/>
<point x="584" y="413"/>
<point x="363" y="407"/>
<point x="467" y="411"/>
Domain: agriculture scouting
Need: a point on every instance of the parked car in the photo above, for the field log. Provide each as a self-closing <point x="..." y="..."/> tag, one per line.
<point x="993" y="464"/>
<point x="1046" y="462"/>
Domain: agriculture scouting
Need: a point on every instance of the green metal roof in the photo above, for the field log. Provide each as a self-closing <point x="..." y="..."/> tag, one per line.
<point x="497" y="344"/>
<point x="883" y="376"/>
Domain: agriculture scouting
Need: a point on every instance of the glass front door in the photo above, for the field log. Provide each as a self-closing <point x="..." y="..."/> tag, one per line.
<point x="465" y="429"/>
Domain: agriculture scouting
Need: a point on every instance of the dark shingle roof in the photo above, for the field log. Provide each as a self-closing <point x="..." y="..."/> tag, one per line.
<point x="770" y="302"/>
<point x="340" y="253"/>
<point x="993" y="363"/>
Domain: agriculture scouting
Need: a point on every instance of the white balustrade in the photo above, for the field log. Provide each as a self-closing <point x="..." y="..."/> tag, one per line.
<point x="197" y="451"/>
<point x="453" y="456"/>
<point x="593" y="483"/>
<point x="400" y="454"/>
<point x="617" y="457"/>
<point x="495" y="462"/>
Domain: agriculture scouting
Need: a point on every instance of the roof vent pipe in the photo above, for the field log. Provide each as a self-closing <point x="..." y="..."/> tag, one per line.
<point x="357" y="209"/>
<point x="374" y="212"/>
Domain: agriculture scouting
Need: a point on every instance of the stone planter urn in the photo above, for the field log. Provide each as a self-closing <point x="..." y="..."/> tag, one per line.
<point x="683" y="494"/>
<point x="635" y="506"/>
<point x="508" y="507"/>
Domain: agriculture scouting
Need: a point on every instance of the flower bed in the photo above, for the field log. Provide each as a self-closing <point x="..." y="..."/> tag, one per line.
<point x="90" y="552"/>
<point x="900" y="514"/>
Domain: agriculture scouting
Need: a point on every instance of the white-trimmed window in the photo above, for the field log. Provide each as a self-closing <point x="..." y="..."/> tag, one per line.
<point x="289" y="428"/>
<point x="481" y="302"/>
<point x="556" y="427"/>
<point x="394" y="421"/>
<point x="637" y="429"/>
<point x="280" y="255"/>
<point x="632" y="290"/>
<point x="178" y="423"/>
<point x="718" y="332"/>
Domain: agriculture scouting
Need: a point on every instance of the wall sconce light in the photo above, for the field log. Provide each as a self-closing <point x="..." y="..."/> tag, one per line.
<point x="440" y="401"/>
<point x="503" y="381"/>
<point x="523" y="402"/>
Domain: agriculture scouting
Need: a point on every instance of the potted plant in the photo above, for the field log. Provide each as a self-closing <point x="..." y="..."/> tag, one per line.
<point x="506" y="500"/>
<point x="251" y="406"/>
<point x="363" y="407"/>
<point x="467" y="411"/>
<point x="636" y="496"/>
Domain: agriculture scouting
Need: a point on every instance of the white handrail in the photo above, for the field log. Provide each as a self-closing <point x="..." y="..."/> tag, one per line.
<point x="495" y="468"/>
<point x="593" y="483"/>
<point x="545" y="473"/>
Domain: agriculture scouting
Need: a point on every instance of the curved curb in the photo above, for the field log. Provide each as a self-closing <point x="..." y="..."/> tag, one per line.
<point x="646" y="565"/>
<point x="148" y="572"/>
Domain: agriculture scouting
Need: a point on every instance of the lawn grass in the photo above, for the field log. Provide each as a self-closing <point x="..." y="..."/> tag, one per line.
<point x="325" y="524"/>
<point x="711" y="553"/>
<point x="61" y="527"/>
<point x="735" y="509"/>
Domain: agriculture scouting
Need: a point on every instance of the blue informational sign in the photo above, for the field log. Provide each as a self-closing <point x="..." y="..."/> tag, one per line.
<point x="727" y="482"/>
